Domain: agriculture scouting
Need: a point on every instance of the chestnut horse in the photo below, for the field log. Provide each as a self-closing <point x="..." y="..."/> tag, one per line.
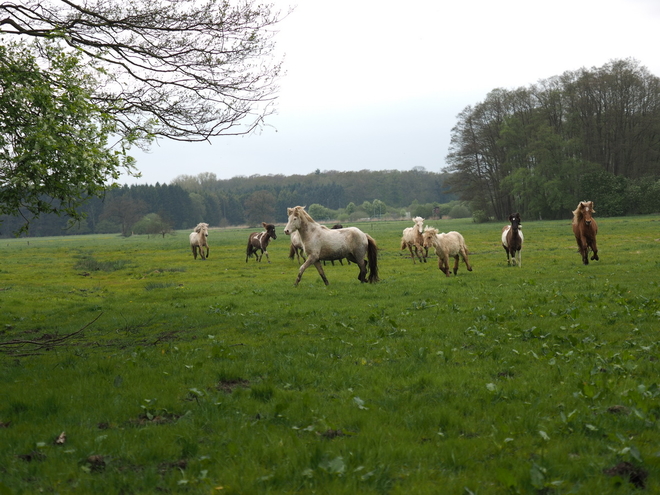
<point x="199" y="241"/>
<point x="258" y="241"/>
<point x="585" y="229"/>
<point x="512" y="240"/>
<point x="322" y="243"/>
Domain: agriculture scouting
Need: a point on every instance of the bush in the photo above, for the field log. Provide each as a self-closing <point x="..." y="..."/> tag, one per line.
<point x="460" y="211"/>
<point x="480" y="216"/>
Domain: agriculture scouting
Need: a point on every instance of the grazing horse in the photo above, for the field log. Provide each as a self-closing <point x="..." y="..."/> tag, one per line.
<point x="413" y="238"/>
<point x="297" y="248"/>
<point x="322" y="243"/>
<point x="446" y="245"/>
<point x="199" y="241"/>
<point x="512" y="240"/>
<point x="258" y="241"/>
<point x="585" y="229"/>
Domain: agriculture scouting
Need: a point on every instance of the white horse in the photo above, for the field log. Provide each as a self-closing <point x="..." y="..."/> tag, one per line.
<point x="297" y="248"/>
<point x="512" y="240"/>
<point x="199" y="241"/>
<point x="413" y="238"/>
<point x="322" y="243"/>
<point x="446" y="245"/>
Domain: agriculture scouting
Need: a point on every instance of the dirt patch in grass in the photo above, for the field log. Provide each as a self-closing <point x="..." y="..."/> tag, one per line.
<point x="228" y="386"/>
<point x="635" y="475"/>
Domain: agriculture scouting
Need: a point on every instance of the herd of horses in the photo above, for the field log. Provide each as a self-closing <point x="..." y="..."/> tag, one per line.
<point x="316" y="243"/>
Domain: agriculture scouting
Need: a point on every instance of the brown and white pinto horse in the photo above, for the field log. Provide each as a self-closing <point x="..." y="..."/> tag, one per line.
<point x="322" y="243"/>
<point x="585" y="229"/>
<point x="512" y="240"/>
<point x="258" y="241"/>
<point x="199" y="241"/>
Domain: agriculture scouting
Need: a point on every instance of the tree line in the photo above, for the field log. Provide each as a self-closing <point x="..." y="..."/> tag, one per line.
<point x="586" y="134"/>
<point x="330" y="195"/>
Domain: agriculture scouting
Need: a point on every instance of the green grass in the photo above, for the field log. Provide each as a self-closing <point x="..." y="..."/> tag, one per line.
<point x="219" y="376"/>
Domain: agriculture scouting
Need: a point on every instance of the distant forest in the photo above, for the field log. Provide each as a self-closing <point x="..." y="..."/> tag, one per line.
<point x="591" y="134"/>
<point x="188" y="200"/>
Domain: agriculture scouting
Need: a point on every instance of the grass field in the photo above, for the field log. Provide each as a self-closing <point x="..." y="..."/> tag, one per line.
<point x="127" y="367"/>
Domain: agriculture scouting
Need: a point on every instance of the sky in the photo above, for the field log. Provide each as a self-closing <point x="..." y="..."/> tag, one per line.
<point x="378" y="84"/>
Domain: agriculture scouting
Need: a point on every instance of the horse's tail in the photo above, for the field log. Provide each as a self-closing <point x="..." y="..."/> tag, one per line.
<point x="372" y="258"/>
<point x="404" y="244"/>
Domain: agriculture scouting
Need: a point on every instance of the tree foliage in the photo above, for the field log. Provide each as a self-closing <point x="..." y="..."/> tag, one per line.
<point x="539" y="150"/>
<point x="101" y="76"/>
<point x="53" y="138"/>
<point x="186" y="70"/>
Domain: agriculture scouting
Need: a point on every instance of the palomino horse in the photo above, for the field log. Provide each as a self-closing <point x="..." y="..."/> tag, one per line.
<point x="199" y="241"/>
<point x="447" y="245"/>
<point x="297" y="248"/>
<point x="259" y="241"/>
<point x="322" y="243"/>
<point x="413" y="238"/>
<point x="585" y="229"/>
<point x="512" y="240"/>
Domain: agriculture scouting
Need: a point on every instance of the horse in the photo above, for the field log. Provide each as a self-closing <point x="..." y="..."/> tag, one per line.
<point x="258" y="241"/>
<point x="297" y="248"/>
<point x="199" y="241"/>
<point x="413" y="238"/>
<point x="446" y="245"/>
<point x="585" y="229"/>
<point x="322" y="243"/>
<point x="512" y="240"/>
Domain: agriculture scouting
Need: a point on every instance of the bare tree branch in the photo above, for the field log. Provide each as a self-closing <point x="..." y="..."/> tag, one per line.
<point x="186" y="70"/>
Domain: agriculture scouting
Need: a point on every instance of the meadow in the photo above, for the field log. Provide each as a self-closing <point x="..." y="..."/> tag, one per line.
<point x="127" y="367"/>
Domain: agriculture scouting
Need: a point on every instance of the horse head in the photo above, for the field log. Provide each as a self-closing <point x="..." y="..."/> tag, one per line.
<point x="514" y="218"/>
<point x="295" y="219"/>
<point x="429" y="236"/>
<point x="419" y="223"/>
<point x="270" y="229"/>
<point x="584" y="211"/>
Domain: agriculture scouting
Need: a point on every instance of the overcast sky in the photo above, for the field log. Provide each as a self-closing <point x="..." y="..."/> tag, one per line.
<point x="377" y="84"/>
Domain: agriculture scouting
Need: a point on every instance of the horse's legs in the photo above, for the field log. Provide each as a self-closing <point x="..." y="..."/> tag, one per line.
<point x="362" y="276"/>
<point x="594" y="248"/>
<point x="194" y="250"/>
<point x="455" y="264"/>
<point x="319" y="268"/>
<point x="412" y="256"/>
<point x="464" y="255"/>
<point x="520" y="258"/>
<point x="266" y="253"/>
<point x="508" y="259"/>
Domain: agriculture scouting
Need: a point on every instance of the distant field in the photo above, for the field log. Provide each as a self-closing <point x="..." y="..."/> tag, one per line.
<point x="169" y="375"/>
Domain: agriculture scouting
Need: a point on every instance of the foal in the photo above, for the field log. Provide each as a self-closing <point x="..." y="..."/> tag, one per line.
<point x="258" y="241"/>
<point x="512" y="240"/>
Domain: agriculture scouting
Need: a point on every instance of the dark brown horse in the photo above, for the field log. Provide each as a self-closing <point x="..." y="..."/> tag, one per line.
<point x="258" y="241"/>
<point x="585" y="229"/>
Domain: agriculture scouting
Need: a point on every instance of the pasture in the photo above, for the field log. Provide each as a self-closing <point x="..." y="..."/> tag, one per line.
<point x="128" y="367"/>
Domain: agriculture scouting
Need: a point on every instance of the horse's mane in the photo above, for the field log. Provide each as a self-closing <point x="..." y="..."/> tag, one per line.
<point x="301" y="211"/>
<point x="578" y="213"/>
<point x="431" y="229"/>
<point x="201" y="226"/>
